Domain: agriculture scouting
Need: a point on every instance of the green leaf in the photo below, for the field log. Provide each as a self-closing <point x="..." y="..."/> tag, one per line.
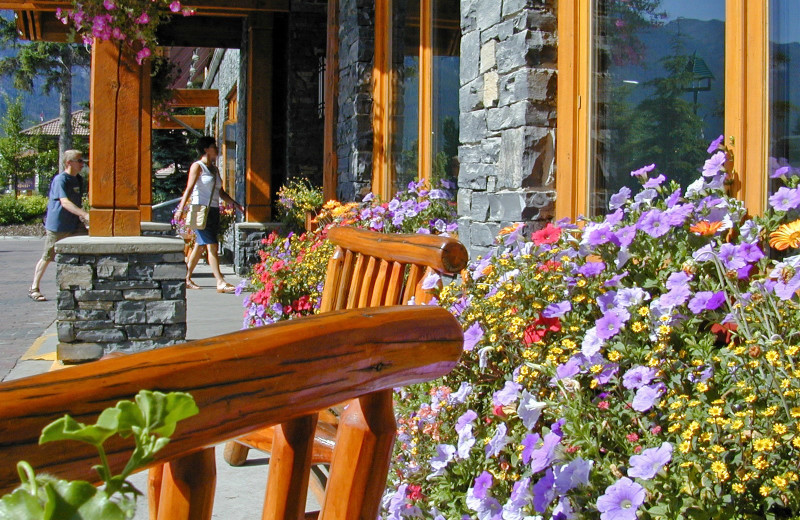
<point x="163" y="411"/>
<point x="68" y="429"/>
<point x="79" y="500"/>
<point x="20" y="505"/>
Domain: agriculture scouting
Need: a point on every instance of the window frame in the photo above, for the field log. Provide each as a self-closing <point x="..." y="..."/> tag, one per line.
<point x="746" y="103"/>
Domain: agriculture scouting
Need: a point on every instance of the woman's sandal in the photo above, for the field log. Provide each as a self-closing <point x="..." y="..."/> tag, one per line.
<point x="36" y="296"/>
<point x="226" y="288"/>
<point x="191" y="285"/>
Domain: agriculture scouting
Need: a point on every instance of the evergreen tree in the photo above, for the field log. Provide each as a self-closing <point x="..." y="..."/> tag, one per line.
<point x="53" y="64"/>
<point x="17" y="157"/>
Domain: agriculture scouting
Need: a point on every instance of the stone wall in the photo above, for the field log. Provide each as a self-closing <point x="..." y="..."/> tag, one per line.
<point x="305" y="129"/>
<point x="507" y="122"/>
<point x="249" y="236"/>
<point x="354" y="127"/>
<point x="119" y="294"/>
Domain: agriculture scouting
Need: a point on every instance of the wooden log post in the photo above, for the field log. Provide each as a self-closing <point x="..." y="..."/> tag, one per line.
<point x="187" y="487"/>
<point x="119" y="155"/>
<point x="259" y="119"/>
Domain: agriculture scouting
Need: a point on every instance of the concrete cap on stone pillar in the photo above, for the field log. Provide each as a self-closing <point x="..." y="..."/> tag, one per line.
<point x="84" y="245"/>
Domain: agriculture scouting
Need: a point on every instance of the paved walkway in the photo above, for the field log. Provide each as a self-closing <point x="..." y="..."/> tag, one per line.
<point x="28" y="342"/>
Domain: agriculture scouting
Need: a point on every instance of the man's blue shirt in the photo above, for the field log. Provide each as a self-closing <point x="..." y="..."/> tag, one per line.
<point x="58" y="218"/>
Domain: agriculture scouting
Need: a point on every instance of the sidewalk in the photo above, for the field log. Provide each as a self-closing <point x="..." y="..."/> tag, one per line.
<point x="240" y="491"/>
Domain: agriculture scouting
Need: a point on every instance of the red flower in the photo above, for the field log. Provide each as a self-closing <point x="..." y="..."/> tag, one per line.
<point x="603" y="405"/>
<point x="637" y="449"/>
<point x="549" y="235"/>
<point x="655" y="430"/>
<point x="539" y="328"/>
<point x="550" y="265"/>
<point x="414" y="492"/>
<point x="498" y="410"/>
<point x="724" y="331"/>
<point x="632" y="437"/>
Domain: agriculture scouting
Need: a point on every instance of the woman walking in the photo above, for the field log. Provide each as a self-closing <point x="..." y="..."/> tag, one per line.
<point x="205" y="187"/>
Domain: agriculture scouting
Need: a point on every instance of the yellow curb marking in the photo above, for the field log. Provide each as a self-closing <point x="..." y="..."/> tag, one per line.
<point x="33" y="351"/>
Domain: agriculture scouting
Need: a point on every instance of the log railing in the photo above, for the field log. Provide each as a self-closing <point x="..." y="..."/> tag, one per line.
<point x="280" y="374"/>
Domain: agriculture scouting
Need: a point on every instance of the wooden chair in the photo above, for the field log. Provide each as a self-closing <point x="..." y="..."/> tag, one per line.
<point x="280" y="374"/>
<point x="368" y="269"/>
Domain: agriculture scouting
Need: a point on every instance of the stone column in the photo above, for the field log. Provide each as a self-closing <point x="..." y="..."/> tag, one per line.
<point x="123" y="294"/>
<point x="507" y="123"/>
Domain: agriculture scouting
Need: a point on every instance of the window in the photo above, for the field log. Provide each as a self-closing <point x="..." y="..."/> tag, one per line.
<point x="784" y="89"/>
<point x="228" y="151"/>
<point x="415" y="92"/>
<point x="653" y="81"/>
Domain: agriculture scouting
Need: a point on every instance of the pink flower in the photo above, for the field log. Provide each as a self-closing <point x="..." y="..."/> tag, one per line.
<point x="632" y="437"/>
<point x="603" y="405"/>
<point x="655" y="430"/>
<point x="142" y="55"/>
<point x="109" y="5"/>
<point x="117" y="33"/>
<point x="143" y="19"/>
<point x="175" y="6"/>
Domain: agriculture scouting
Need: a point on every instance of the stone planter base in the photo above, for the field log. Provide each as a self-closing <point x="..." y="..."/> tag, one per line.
<point x="248" y="238"/>
<point x="123" y="294"/>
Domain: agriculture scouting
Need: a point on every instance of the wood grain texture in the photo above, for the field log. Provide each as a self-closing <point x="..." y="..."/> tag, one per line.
<point x="330" y="167"/>
<point x="361" y="460"/>
<point x="187" y="487"/>
<point x="194" y="97"/>
<point x="445" y="254"/>
<point x="241" y="382"/>
<point x="289" y="469"/>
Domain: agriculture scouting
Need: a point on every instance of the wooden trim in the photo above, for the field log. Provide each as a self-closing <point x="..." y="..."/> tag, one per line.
<point x="330" y="169"/>
<point x="258" y="167"/>
<point x="185" y="97"/>
<point x="196" y="122"/>
<point x="425" y="103"/>
<point x="747" y="98"/>
<point x="574" y="108"/>
<point x="145" y="140"/>
<point x="381" y="101"/>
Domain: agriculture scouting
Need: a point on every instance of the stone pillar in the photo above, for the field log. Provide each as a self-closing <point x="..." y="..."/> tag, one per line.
<point x="249" y="239"/>
<point x="354" y="127"/>
<point x="119" y="294"/>
<point x="507" y="122"/>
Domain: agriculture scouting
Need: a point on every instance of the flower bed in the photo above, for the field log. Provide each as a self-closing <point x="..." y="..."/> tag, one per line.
<point x="640" y="366"/>
<point x="287" y="282"/>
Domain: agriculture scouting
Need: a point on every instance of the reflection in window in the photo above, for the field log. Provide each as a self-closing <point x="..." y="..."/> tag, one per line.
<point x="657" y="90"/>
<point x="446" y="45"/>
<point x="784" y="63"/>
<point x="404" y="134"/>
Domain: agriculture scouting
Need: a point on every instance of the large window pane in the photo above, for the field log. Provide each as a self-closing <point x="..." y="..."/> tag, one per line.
<point x="784" y="62"/>
<point x="658" y="89"/>
<point x="446" y="45"/>
<point x="404" y="133"/>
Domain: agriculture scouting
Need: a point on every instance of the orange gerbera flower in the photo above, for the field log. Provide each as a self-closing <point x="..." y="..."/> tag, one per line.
<point x="705" y="228"/>
<point x="786" y="236"/>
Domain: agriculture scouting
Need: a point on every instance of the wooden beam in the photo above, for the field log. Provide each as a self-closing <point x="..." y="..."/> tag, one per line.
<point x="222" y="7"/>
<point x="258" y="168"/>
<point x="381" y="101"/>
<point x="425" y="140"/>
<point x="330" y="172"/>
<point x="186" y="97"/>
<point x="145" y="140"/>
<point x="196" y="122"/>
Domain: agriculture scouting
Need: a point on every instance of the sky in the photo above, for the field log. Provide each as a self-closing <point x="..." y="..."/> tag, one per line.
<point x="697" y="9"/>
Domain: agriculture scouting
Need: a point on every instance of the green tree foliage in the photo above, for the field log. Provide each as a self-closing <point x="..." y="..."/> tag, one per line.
<point x="171" y="147"/>
<point x="17" y="158"/>
<point x="50" y="62"/>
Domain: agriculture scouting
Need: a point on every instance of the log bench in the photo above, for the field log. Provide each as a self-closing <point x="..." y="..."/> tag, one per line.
<point x="367" y="269"/>
<point x="280" y="374"/>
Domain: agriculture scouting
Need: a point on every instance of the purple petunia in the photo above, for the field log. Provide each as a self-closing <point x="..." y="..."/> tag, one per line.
<point x="598" y="234"/>
<point x="482" y="484"/>
<point x="655" y="182"/>
<point x="460" y="395"/>
<point x="444" y="454"/>
<point x="506" y="395"/>
<point x="591" y="345"/>
<point x="652" y="223"/>
<point x="570" y="368"/>
<point x="638" y="377"/>
<point x="673" y="198"/>
<point x="573" y="475"/>
<point x="544" y="492"/>
<point x="645" y="398"/>
<point x="590" y="269"/>
<point x="465" y="419"/>
<point x="647" y="464"/>
<point x="714" y="164"/>
<point x="466" y="440"/>
<point x="750" y="252"/>
<point x="498" y="441"/>
<point x="642" y="172"/>
<point x="609" y="325"/>
<point x="543" y="456"/>
<point x="785" y="290"/>
<point x="625" y="235"/>
<point x="520" y="497"/>
<point x="619" y="198"/>
<point x="621" y="500"/>
<point x="472" y="336"/>
<point x="557" y="310"/>
<point x="675" y="297"/>
<point x="529" y="446"/>
<point x="785" y="199"/>
<point x="706" y="301"/>
<point x="529" y="410"/>
<point x="714" y="146"/>
<point x="730" y="257"/>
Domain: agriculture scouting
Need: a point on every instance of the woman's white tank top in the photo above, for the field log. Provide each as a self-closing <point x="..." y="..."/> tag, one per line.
<point x="201" y="193"/>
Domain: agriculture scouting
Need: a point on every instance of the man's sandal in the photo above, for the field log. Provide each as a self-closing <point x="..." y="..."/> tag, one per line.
<point x="36" y="296"/>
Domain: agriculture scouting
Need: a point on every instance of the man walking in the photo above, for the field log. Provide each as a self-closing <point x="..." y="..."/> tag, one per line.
<point x="64" y="214"/>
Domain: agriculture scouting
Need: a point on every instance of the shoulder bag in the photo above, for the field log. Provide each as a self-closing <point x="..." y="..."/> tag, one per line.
<point x="198" y="213"/>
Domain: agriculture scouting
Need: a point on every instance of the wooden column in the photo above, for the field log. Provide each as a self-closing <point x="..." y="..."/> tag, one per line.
<point x="145" y="140"/>
<point x="381" y="100"/>
<point x="117" y="154"/>
<point x="259" y="119"/>
<point x="330" y="172"/>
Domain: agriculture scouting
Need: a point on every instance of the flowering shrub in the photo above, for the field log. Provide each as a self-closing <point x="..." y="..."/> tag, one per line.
<point x="132" y="22"/>
<point x="288" y="280"/>
<point x="295" y="200"/>
<point x="639" y="366"/>
<point x="227" y="216"/>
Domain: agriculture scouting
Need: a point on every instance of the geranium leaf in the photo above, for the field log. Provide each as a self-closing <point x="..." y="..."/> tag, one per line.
<point x="20" y="505"/>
